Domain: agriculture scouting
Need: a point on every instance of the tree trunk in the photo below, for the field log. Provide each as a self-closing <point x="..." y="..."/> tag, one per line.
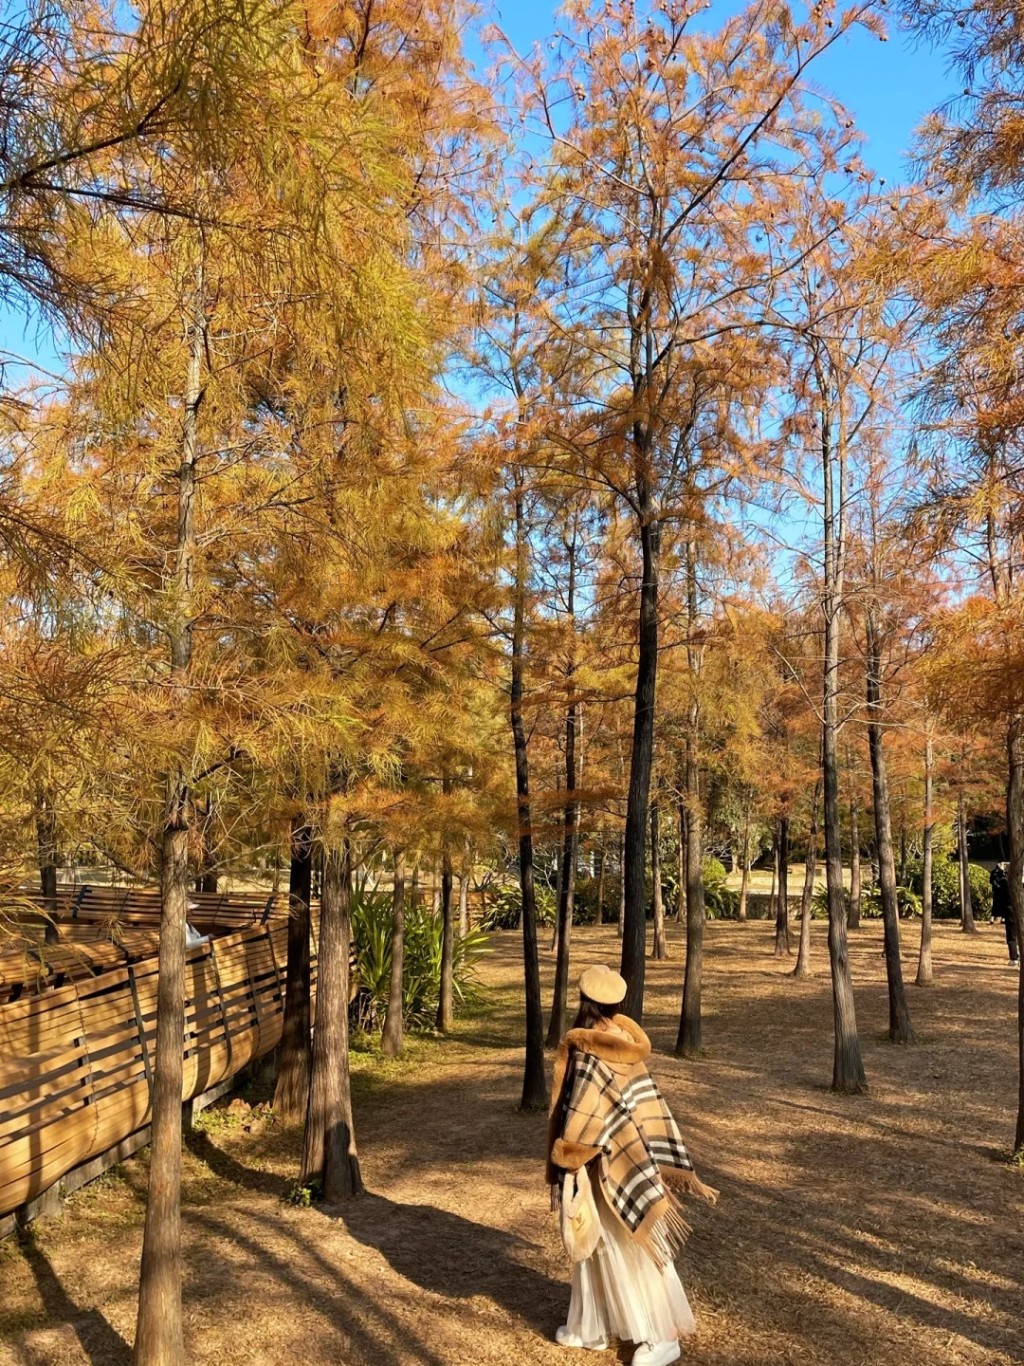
<point x="1015" y="828"/>
<point x="773" y="895"/>
<point x="535" y="1085"/>
<point x="291" y="1090"/>
<point x="446" y="992"/>
<point x="659" y="948"/>
<point x="329" y="1145"/>
<point x="689" y="1038"/>
<point x="741" y="913"/>
<point x="600" y="885"/>
<point x="900" y="1030"/>
<point x="853" y="915"/>
<point x="634" y="931"/>
<point x="681" y="894"/>
<point x="46" y="842"/>
<point x="464" y="893"/>
<point x="966" y="906"/>
<point x="782" y="944"/>
<point x="847" y="1063"/>
<point x="924" y="961"/>
<point x="803" y="957"/>
<point x="393" y="1037"/>
<point x="158" y="1333"/>
<point x="567" y="889"/>
<point x="622" y="888"/>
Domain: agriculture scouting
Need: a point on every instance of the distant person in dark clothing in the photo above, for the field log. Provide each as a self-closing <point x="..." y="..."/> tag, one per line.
<point x="1002" y="907"/>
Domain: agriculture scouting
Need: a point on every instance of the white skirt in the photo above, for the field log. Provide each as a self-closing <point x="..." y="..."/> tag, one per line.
<point x="619" y="1291"/>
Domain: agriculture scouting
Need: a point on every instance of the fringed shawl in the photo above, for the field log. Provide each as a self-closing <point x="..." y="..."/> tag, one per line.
<point x="605" y="1106"/>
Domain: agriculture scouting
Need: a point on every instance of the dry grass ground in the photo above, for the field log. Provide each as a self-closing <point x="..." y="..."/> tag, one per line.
<point x="873" y="1230"/>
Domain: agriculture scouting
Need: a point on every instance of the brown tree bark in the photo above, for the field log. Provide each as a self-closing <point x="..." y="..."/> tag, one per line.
<point x="690" y="1036"/>
<point x="782" y="944"/>
<point x="803" y="957"/>
<point x="329" y="1147"/>
<point x="853" y="915"/>
<point x="900" y="1030"/>
<point x="446" y="992"/>
<point x="393" y="1036"/>
<point x="741" y="913"/>
<point x="1015" y="828"/>
<point x="681" y="895"/>
<point x="159" y="1338"/>
<point x="567" y="887"/>
<point x="46" y="843"/>
<point x="535" y="1086"/>
<point x="622" y="888"/>
<point x="600" y="885"/>
<point x="967" y="924"/>
<point x="291" y="1089"/>
<point x="634" y="931"/>
<point x="924" y="961"/>
<point x="659" y="947"/>
<point x="847" y="1062"/>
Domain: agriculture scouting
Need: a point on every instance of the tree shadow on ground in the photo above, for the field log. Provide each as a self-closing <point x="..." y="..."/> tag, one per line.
<point x="228" y="1168"/>
<point x="370" y="1333"/>
<point x="448" y="1255"/>
<point x="101" y="1343"/>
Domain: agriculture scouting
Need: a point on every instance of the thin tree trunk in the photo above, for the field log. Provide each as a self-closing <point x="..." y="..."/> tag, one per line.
<point x="803" y="957"/>
<point x="659" y="947"/>
<point x="393" y="1037"/>
<point x="567" y="890"/>
<point x="620" y="927"/>
<point x="900" y="1030"/>
<point x="291" y="1090"/>
<point x="464" y="892"/>
<point x="689" y="1038"/>
<point x="1015" y="828"/>
<point x="446" y="992"/>
<point x="600" y="885"/>
<point x="46" y="843"/>
<point x="782" y="944"/>
<point x="966" y="906"/>
<point x="903" y="856"/>
<point x="681" y="896"/>
<point x="535" y="1086"/>
<point x="847" y="1062"/>
<point x="159" y="1338"/>
<point x="741" y="913"/>
<point x="329" y="1146"/>
<point x="634" y="931"/>
<point x="773" y="895"/>
<point x="853" y="916"/>
<point x="924" y="961"/>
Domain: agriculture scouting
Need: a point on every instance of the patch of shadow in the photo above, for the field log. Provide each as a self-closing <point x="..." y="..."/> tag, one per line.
<point x="101" y="1343"/>
<point x="228" y="1168"/>
<point x="448" y="1255"/>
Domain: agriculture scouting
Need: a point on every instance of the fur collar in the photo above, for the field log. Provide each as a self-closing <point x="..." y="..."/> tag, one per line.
<point x="612" y="1048"/>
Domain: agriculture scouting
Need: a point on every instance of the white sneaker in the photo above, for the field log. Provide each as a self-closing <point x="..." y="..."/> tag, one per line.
<point x="566" y="1339"/>
<point x="656" y="1354"/>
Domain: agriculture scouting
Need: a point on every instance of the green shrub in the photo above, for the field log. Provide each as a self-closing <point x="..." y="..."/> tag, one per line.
<point x="505" y="909"/>
<point x="946" y="888"/>
<point x="421" y="978"/>
<point x="720" y="901"/>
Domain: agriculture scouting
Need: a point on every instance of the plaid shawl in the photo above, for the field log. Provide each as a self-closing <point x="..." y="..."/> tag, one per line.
<point x="606" y="1108"/>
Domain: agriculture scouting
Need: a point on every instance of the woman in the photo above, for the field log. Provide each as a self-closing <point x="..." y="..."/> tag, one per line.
<point x="608" y="1115"/>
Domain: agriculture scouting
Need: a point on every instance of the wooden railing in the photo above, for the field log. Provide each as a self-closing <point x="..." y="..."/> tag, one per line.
<point x="76" y="1062"/>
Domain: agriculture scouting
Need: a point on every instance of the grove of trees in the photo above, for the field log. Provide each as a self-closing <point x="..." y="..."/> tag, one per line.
<point x="567" y="476"/>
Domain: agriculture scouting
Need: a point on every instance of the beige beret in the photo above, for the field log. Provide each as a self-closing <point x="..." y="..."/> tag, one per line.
<point x="603" y="985"/>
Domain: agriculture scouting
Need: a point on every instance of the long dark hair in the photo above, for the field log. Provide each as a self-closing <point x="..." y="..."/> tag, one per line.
<point x="592" y="1012"/>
